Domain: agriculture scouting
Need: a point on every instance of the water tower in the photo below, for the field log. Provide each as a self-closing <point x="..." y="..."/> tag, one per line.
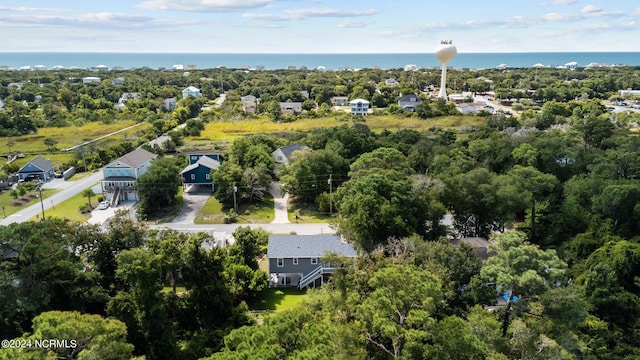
<point x="445" y="53"/>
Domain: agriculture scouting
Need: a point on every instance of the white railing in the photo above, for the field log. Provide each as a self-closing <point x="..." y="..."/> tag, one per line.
<point x="315" y="275"/>
<point x="116" y="198"/>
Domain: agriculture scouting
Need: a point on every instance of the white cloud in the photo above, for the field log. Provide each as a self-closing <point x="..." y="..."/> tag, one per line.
<point x="354" y="24"/>
<point x="590" y="9"/>
<point x="300" y="14"/>
<point x="91" y="20"/>
<point x="204" y="5"/>
<point x="564" y="2"/>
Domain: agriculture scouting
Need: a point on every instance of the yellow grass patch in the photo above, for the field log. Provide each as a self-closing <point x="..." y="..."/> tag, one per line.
<point x="227" y="131"/>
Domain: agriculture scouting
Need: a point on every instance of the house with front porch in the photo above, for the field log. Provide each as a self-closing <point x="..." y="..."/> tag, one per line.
<point x="121" y="175"/>
<point x="297" y="260"/>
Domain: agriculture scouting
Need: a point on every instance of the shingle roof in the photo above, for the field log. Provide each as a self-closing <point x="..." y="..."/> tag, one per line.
<point x="136" y="158"/>
<point x="289" y="149"/>
<point x="203" y="161"/>
<point x="411" y="97"/>
<point x="289" y="246"/>
<point x="42" y="163"/>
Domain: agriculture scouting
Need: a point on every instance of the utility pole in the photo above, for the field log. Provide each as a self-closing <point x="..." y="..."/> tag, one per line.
<point x="235" y="204"/>
<point x="42" y="204"/>
<point x="330" y="193"/>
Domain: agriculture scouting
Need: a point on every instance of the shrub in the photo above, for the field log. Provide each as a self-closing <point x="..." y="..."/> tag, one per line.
<point x="231" y="217"/>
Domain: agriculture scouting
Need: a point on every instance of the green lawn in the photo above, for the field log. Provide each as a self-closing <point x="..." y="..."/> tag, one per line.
<point x="9" y="206"/>
<point x="307" y="215"/>
<point x="210" y="213"/>
<point x="70" y="208"/>
<point x="278" y="299"/>
<point x="260" y="212"/>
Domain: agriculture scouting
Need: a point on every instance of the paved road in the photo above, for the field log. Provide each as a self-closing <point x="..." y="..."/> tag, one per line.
<point x="300" y="229"/>
<point x="70" y="188"/>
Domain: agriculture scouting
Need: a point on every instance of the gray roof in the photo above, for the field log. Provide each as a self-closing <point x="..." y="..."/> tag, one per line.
<point x="289" y="149"/>
<point x="41" y="163"/>
<point x="203" y="161"/>
<point x="136" y="158"/>
<point x="411" y="97"/>
<point x="290" y="246"/>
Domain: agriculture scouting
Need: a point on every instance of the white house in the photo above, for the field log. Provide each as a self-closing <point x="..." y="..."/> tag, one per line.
<point x="470" y="108"/>
<point x="359" y="107"/>
<point x="121" y="175"/>
<point x="191" y="90"/>
<point x="91" y="79"/>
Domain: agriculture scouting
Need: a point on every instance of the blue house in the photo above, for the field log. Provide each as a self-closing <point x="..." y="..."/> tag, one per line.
<point x="191" y="90"/>
<point x="297" y="260"/>
<point x="39" y="167"/>
<point x="198" y="172"/>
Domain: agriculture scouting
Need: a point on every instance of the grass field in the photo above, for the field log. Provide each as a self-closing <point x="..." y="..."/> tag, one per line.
<point x="70" y="208"/>
<point x="227" y="131"/>
<point x="278" y="299"/>
<point x="7" y="203"/>
<point x="260" y="212"/>
<point x="67" y="137"/>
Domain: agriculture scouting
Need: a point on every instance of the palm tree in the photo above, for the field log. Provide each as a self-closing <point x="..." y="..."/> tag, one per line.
<point x="88" y="193"/>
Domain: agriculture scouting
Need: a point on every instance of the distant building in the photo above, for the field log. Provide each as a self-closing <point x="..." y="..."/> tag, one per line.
<point x="191" y="90"/>
<point x="339" y="101"/>
<point x="391" y="82"/>
<point x="170" y="104"/>
<point x="629" y="92"/>
<point x="359" y="107"/>
<point x="91" y="79"/>
<point x="117" y="81"/>
<point x="409" y="102"/>
<point x="290" y="107"/>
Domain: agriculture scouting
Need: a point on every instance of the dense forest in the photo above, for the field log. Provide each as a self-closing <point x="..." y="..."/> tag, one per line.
<point x="554" y="187"/>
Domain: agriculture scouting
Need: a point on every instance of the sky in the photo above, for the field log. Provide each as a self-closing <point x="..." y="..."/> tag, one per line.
<point x="318" y="26"/>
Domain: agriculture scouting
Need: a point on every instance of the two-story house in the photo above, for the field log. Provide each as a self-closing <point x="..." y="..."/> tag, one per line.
<point x="409" y="102"/>
<point x="121" y="175"/>
<point x="191" y="91"/>
<point x="198" y="172"/>
<point x="359" y="107"/>
<point x="297" y="260"/>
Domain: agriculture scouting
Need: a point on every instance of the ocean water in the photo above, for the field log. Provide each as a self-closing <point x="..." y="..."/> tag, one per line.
<point x="16" y="60"/>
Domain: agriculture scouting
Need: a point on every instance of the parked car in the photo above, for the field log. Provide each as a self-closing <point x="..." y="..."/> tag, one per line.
<point x="103" y="205"/>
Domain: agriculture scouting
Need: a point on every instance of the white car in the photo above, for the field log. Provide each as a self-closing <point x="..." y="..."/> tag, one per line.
<point x="103" y="205"/>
